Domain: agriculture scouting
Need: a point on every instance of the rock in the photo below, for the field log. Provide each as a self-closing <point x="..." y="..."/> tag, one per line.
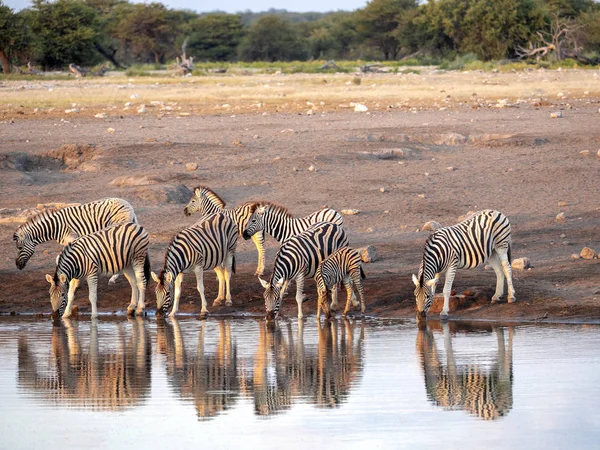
<point x="556" y="115"/>
<point x="358" y="107"/>
<point x="135" y="180"/>
<point x="294" y="169"/>
<point x="381" y="189"/>
<point x="561" y="204"/>
<point x="110" y="130"/>
<point x="73" y="110"/>
<point x="450" y="168"/>
<point x="431" y="226"/>
<point x="575" y="256"/>
<point x="191" y="166"/>
<point x="101" y="115"/>
<point x="561" y="217"/>
<point x="587" y="253"/>
<point x="466" y="216"/>
<point x="309" y="112"/>
<point x="451" y="139"/>
<point x="312" y="168"/>
<point x="350" y="212"/>
<point x="164" y="194"/>
<point x="521" y="264"/>
<point x="563" y="235"/>
<point x="584" y="152"/>
<point x="421" y="195"/>
<point x="368" y="254"/>
<point x="141" y="109"/>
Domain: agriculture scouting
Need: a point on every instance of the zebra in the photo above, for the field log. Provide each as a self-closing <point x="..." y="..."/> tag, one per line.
<point x="342" y="266"/>
<point x="208" y="202"/>
<point x="67" y="224"/>
<point x="298" y="258"/>
<point x="208" y="244"/>
<point x="118" y="248"/>
<point x="483" y="236"/>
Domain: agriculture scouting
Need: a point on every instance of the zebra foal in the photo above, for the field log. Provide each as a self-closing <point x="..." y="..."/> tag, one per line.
<point x="297" y="259"/>
<point x="67" y="224"/>
<point x="342" y="266"/>
<point x="118" y="248"/>
<point x="208" y="244"/>
<point x="484" y="236"/>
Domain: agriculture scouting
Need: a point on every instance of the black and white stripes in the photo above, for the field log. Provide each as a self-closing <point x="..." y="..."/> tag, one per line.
<point x="484" y="236"/>
<point x="66" y="225"/>
<point x="208" y="244"/>
<point x="299" y="258"/>
<point x="118" y="248"/>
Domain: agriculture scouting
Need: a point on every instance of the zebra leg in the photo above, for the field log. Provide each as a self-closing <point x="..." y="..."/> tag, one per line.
<point x="141" y="282"/>
<point x="227" y="276"/>
<point x="73" y="284"/>
<point x="350" y="297"/>
<point x="357" y="281"/>
<point x="494" y="261"/>
<point x="299" y="296"/>
<point x="178" y="283"/>
<point x="130" y="276"/>
<point x="503" y="254"/>
<point x="92" y="282"/>
<point x="113" y="279"/>
<point x="447" y="290"/>
<point x="334" y="297"/>
<point x="200" y="286"/>
<point x="259" y="242"/>
<point x="221" y="278"/>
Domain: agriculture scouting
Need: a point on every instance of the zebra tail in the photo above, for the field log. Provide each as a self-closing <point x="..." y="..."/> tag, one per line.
<point x="233" y="264"/>
<point x="147" y="268"/>
<point x="362" y="273"/>
<point x="508" y="253"/>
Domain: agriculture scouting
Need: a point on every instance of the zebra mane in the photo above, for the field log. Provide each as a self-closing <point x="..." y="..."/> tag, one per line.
<point x="277" y="209"/>
<point x="209" y="192"/>
<point x="37" y="218"/>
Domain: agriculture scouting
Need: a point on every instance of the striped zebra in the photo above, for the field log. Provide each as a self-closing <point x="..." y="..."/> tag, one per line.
<point x="483" y="236"/>
<point x="118" y="248"/>
<point x="67" y="224"/>
<point x="208" y="244"/>
<point x="342" y="266"/>
<point x="208" y="202"/>
<point x="298" y="258"/>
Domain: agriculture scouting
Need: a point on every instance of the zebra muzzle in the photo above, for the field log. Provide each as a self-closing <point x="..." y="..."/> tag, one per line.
<point x="270" y="316"/>
<point x="246" y="235"/>
<point x="186" y="212"/>
<point x="20" y="264"/>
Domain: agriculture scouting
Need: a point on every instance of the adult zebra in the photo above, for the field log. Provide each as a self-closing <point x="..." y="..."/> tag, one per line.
<point x="342" y="266"/>
<point x="118" y="248"/>
<point x="208" y="244"/>
<point x="298" y="258"/>
<point x="483" y="236"/>
<point x="67" y="224"/>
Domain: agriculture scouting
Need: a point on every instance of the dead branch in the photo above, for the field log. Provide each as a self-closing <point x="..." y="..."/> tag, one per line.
<point x="78" y="71"/>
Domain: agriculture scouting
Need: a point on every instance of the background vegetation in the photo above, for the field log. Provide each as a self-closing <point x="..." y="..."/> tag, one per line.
<point x="53" y="34"/>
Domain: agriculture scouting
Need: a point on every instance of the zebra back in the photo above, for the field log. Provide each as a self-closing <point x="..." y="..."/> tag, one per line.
<point x="470" y="242"/>
<point x="64" y="225"/>
<point x="336" y="267"/>
<point x="107" y="251"/>
<point x="305" y="251"/>
<point x="207" y="242"/>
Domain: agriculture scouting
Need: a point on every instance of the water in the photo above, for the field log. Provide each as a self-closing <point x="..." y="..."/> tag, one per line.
<point x="350" y="384"/>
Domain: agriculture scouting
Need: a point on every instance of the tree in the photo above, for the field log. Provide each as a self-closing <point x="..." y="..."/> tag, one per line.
<point x="66" y="30"/>
<point x="382" y="23"/>
<point x="215" y="37"/>
<point x="14" y="36"/>
<point x="271" y="38"/>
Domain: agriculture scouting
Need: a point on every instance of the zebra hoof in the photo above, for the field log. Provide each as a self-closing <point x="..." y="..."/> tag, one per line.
<point x="495" y="300"/>
<point x="217" y="302"/>
<point x="444" y="317"/>
<point x="203" y="315"/>
<point x="512" y="299"/>
<point x="130" y="311"/>
<point x="228" y="303"/>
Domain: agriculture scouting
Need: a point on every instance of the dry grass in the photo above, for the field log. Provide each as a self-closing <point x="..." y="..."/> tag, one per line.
<point x="290" y="93"/>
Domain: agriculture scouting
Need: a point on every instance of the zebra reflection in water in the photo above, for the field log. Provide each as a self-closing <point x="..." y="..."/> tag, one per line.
<point x="210" y="380"/>
<point x="483" y="391"/>
<point x="286" y="369"/>
<point x="95" y="377"/>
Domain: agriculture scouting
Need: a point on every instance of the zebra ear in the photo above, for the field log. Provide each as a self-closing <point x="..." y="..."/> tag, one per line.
<point x="155" y="277"/>
<point x="197" y="192"/>
<point x="261" y="209"/>
<point x="433" y="281"/>
<point x="415" y="280"/>
<point x="62" y="278"/>
<point x="263" y="283"/>
<point x="49" y="279"/>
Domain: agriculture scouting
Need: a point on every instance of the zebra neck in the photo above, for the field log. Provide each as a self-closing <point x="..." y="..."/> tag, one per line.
<point x="50" y="228"/>
<point x="278" y="226"/>
<point x="429" y="268"/>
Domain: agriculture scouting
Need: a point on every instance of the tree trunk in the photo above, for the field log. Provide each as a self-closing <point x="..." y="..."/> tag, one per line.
<point x="108" y="56"/>
<point x="5" y="62"/>
<point x="156" y="57"/>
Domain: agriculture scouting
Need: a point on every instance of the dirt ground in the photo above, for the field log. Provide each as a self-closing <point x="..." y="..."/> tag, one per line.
<point x="444" y="163"/>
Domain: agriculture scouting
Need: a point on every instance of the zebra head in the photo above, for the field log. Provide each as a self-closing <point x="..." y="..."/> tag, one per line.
<point x="164" y="292"/>
<point x="322" y="280"/>
<point x="424" y="292"/>
<point x="26" y="247"/>
<point x="272" y="297"/>
<point x="195" y="203"/>
<point x="204" y="200"/>
<point x="58" y="293"/>
<point x="255" y="223"/>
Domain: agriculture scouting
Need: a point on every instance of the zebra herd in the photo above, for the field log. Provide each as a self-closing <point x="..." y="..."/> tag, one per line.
<point x="104" y="237"/>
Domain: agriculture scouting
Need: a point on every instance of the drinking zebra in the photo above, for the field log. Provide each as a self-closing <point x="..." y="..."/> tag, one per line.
<point x="483" y="236"/>
<point x="208" y="202"/>
<point x="66" y="225"/>
<point x="342" y="266"/>
<point x="118" y="248"/>
<point x="208" y="244"/>
<point x="298" y="258"/>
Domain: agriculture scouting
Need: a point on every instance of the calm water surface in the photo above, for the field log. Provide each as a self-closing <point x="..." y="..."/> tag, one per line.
<point x="348" y="384"/>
